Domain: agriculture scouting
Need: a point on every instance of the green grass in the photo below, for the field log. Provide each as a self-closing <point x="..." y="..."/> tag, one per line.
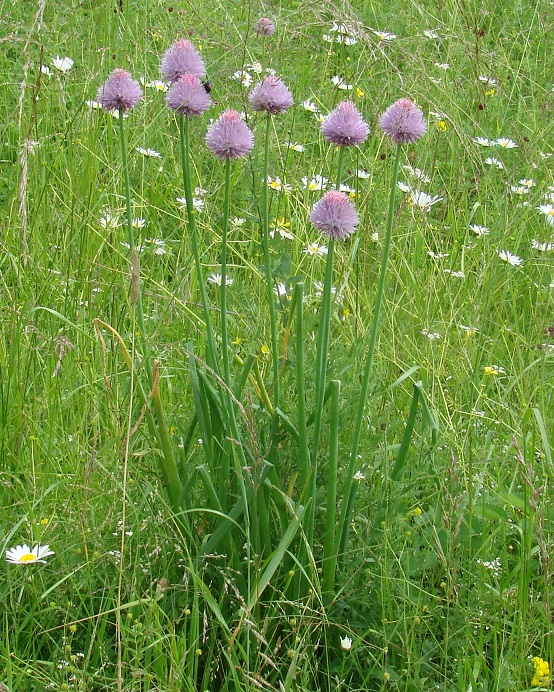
<point x="446" y="582"/>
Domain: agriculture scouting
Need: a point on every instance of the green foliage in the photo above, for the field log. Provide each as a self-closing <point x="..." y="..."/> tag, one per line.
<point x="238" y="579"/>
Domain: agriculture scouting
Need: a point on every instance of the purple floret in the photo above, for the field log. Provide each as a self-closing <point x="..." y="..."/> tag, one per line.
<point x="403" y="122"/>
<point x="345" y="126"/>
<point x="334" y="215"/>
<point x="271" y="95"/>
<point x="119" y="92"/>
<point x="229" y="137"/>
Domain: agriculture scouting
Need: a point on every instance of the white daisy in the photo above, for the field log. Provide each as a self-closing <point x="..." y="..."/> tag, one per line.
<point x="489" y="81"/>
<point x="340" y="83"/>
<point x="62" y="64"/>
<point x="491" y="161"/>
<point x="318" y="182"/>
<point x="542" y="247"/>
<point x="295" y="146"/>
<point x="149" y="152"/>
<point x="158" y="85"/>
<point x="310" y="106"/>
<point x="256" y="67"/>
<point x="403" y="186"/>
<point x="315" y="249"/>
<point x="217" y="279"/>
<point x="484" y="141"/>
<point x="23" y="555"/>
<point x="423" y="200"/>
<point x="363" y="175"/>
<point x="277" y="185"/>
<point x="479" y="230"/>
<point x="45" y="70"/>
<point x="429" y="33"/>
<point x="94" y="105"/>
<point x="505" y="143"/>
<point x="525" y="182"/>
<point x="384" y="35"/>
<point x="506" y="256"/>
<point x="243" y="76"/>
<point x="346" y="643"/>
<point x="138" y="223"/>
<point x="442" y="65"/>
<point x="548" y="211"/>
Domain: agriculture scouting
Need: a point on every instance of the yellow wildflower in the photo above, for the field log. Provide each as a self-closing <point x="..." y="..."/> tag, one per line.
<point x="359" y="92"/>
<point x="542" y="671"/>
<point x="441" y="125"/>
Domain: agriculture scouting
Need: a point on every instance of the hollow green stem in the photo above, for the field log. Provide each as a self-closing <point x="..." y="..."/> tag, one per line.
<point x="329" y="540"/>
<point x="344" y="524"/>
<point x="267" y="264"/>
<point x="224" y="331"/>
<point x="187" y="186"/>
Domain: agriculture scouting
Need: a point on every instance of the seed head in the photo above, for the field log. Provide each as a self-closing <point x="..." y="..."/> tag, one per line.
<point x="229" y="137"/>
<point x="187" y="96"/>
<point x="334" y="215"/>
<point x="119" y="91"/>
<point x="181" y="58"/>
<point x="403" y="122"/>
<point x="271" y="95"/>
<point x="345" y="126"/>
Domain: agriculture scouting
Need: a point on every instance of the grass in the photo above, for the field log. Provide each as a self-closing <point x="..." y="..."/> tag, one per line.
<point x="446" y="579"/>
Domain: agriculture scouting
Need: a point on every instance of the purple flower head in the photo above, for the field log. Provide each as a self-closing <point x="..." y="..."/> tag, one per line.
<point x="334" y="215"/>
<point x="229" y="137"/>
<point x="181" y="58"/>
<point x="187" y="96"/>
<point x="119" y="91"/>
<point x="403" y="122"/>
<point x="345" y="126"/>
<point x="265" y="27"/>
<point x="271" y="95"/>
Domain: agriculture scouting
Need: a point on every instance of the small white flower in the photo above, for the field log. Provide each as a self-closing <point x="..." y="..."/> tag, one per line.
<point x="200" y="191"/>
<point x="505" y="143"/>
<point x="542" y="247"/>
<point x="458" y="275"/>
<point x="548" y="211"/>
<point x="506" y="256"/>
<point x="256" y="67"/>
<point x="62" y="64"/>
<point x="404" y="186"/>
<point x="318" y="182"/>
<point x="237" y="221"/>
<point x="198" y="204"/>
<point x="488" y="81"/>
<point x="319" y="289"/>
<point x="340" y="83"/>
<point x="432" y="336"/>
<point x="295" y="146"/>
<point x="45" y="70"/>
<point x="346" y="643"/>
<point x="362" y="175"/>
<point x="442" y="65"/>
<point x="270" y="71"/>
<point x="346" y="188"/>
<point x="23" y="555"/>
<point x="484" y="141"/>
<point x="491" y="161"/>
<point x="479" y="230"/>
<point x="315" y="249"/>
<point x="384" y="35"/>
<point x="217" y="279"/>
<point x="359" y="476"/>
<point x="94" y="105"/>
<point x="149" y="152"/>
<point x="437" y="255"/>
<point x="138" y="223"/>
<point x="243" y="76"/>
<point x="108" y="222"/>
<point x="374" y="237"/>
<point x="157" y="84"/>
<point x="310" y="106"/>
<point x="277" y="185"/>
<point x="525" y="182"/>
<point x="417" y="173"/>
<point x="429" y="33"/>
<point x="280" y="290"/>
<point x="519" y="189"/>
<point x="423" y="200"/>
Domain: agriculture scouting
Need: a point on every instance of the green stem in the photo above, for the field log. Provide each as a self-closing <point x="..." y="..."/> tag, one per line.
<point x="135" y="267"/>
<point x="344" y="523"/>
<point x="224" y="332"/>
<point x="267" y="263"/>
<point x="187" y="185"/>
<point x="303" y="447"/>
<point x="329" y="543"/>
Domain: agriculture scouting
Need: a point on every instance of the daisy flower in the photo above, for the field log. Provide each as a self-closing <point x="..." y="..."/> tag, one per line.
<point x="62" y="64"/>
<point x="149" y="152"/>
<point x="491" y="161"/>
<point x="505" y="143"/>
<point x="340" y="83"/>
<point x="484" y="141"/>
<point x="23" y="555"/>
<point x="295" y="146"/>
<point x="506" y="256"/>
<point x="423" y="200"/>
<point x="542" y="247"/>
<point x="217" y="280"/>
<point x="315" y="249"/>
<point x="548" y="211"/>
<point x="429" y="33"/>
<point x="310" y="106"/>
<point x="479" y="230"/>
<point x="384" y="35"/>
<point x="346" y="643"/>
<point x="277" y="185"/>
<point x="318" y="182"/>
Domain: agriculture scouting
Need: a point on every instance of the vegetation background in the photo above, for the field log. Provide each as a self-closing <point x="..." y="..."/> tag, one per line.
<point x="447" y="582"/>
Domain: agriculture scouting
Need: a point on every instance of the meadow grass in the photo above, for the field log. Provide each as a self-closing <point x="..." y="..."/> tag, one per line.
<point x="226" y="580"/>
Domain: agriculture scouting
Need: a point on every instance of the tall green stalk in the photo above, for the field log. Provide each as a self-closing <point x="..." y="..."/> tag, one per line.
<point x="224" y="232"/>
<point x="136" y="292"/>
<point x="344" y="524"/>
<point x="267" y="265"/>
<point x="187" y="186"/>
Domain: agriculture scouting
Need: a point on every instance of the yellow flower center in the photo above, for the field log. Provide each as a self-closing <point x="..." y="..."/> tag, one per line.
<point x="28" y="557"/>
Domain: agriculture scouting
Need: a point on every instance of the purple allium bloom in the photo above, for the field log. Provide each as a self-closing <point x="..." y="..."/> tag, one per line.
<point x="187" y="96"/>
<point x="119" y="91"/>
<point x="265" y="27"/>
<point x="229" y="137"/>
<point x="403" y="122"/>
<point x="345" y="126"/>
<point x="181" y="58"/>
<point x="334" y="215"/>
<point x="271" y="95"/>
